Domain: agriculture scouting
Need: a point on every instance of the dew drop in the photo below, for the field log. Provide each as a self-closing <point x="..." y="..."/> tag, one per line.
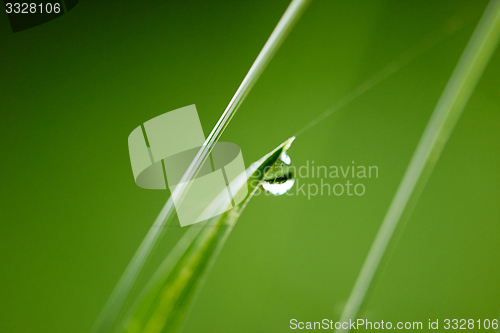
<point x="280" y="178"/>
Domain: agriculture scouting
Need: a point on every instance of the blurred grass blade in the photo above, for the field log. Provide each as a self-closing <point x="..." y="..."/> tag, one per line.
<point x="166" y="300"/>
<point x="447" y="112"/>
<point x="448" y="28"/>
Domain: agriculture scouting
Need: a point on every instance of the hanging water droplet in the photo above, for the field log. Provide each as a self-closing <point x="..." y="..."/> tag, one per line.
<point x="280" y="178"/>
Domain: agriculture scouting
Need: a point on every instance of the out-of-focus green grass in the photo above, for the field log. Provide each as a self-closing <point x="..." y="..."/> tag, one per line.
<point x="71" y="215"/>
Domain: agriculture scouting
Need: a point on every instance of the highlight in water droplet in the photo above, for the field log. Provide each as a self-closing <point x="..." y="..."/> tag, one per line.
<point x="278" y="188"/>
<point x="285" y="158"/>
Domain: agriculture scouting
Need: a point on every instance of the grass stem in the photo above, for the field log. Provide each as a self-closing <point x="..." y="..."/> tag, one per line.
<point x="455" y="96"/>
<point x="115" y="302"/>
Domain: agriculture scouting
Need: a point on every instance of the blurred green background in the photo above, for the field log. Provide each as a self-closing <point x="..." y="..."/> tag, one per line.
<point x="73" y="89"/>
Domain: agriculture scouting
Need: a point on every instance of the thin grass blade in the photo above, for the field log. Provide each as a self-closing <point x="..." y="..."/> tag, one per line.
<point x="114" y="304"/>
<point x="166" y="300"/>
<point x="455" y="96"/>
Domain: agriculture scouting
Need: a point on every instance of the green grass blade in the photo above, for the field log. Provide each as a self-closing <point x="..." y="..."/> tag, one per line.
<point x="447" y="112"/>
<point x="167" y="298"/>
<point x="114" y="304"/>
